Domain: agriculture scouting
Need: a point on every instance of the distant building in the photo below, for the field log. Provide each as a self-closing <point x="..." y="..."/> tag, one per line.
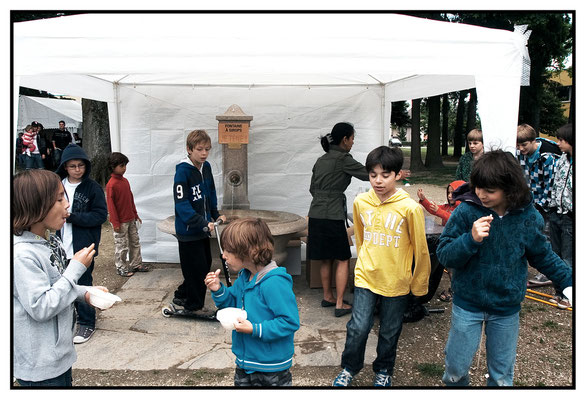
<point x="565" y="91"/>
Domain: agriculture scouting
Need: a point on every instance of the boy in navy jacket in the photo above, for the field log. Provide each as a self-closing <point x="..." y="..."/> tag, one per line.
<point x="88" y="211"/>
<point x="194" y="193"/>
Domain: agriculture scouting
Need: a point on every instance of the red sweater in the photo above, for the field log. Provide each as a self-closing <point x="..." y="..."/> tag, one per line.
<point x="120" y="201"/>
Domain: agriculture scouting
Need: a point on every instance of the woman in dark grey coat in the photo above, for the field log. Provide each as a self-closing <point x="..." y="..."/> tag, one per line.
<point x="328" y="239"/>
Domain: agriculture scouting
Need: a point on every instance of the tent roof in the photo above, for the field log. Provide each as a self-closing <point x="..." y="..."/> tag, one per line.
<point x="68" y="108"/>
<point x="261" y="48"/>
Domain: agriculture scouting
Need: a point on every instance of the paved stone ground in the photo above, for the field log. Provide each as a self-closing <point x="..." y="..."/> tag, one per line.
<point x="144" y="339"/>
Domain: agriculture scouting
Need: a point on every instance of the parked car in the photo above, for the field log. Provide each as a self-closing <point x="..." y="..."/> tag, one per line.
<point x="395" y="142"/>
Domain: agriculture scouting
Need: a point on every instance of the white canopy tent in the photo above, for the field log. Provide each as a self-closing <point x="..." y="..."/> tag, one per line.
<point x="49" y="112"/>
<point x="164" y="75"/>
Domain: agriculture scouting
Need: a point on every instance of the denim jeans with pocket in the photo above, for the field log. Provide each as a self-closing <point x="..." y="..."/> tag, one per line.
<point x="501" y="332"/>
<point x="359" y="326"/>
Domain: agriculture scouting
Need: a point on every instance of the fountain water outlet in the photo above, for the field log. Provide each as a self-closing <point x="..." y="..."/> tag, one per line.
<point x="233" y="135"/>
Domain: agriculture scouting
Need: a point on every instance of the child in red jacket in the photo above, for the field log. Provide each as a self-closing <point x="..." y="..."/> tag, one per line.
<point x="124" y="219"/>
<point x="444" y="211"/>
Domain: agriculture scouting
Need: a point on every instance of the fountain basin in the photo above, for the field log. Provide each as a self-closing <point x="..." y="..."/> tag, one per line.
<point x="283" y="226"/>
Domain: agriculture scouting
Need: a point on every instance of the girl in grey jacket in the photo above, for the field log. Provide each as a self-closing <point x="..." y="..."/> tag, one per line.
<point x="44" y="286"/>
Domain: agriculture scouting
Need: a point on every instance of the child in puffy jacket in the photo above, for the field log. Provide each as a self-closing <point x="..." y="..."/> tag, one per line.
<point x="445" y="210"/>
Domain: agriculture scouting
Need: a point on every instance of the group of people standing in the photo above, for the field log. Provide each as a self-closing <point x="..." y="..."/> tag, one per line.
<point x="40" y="148"/>
<point x="493" y="229"/>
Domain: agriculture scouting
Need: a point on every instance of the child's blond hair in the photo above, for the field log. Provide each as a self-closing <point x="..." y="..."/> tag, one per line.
<point x="475" y="135"/>
<point x="525" y="133"/>
<point x="196" y="137"/>
<point x="249" y="238"/>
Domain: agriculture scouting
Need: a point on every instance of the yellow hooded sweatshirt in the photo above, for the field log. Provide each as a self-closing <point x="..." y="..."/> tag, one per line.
<point x="388" y="235"/>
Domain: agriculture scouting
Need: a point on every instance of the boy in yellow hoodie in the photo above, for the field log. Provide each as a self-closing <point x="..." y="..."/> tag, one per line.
<point x="389" y="229"/>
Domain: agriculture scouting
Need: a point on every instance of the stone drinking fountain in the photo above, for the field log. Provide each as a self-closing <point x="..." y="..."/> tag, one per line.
<point x="233" y="134"/>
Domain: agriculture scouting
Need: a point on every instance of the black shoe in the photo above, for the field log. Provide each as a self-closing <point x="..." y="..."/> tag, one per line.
<point x="179" y="301"/>
<point x="342" y="311"/>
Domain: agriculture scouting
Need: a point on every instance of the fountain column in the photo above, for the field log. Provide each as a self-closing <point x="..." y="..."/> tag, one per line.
<point x="233" y="134"/>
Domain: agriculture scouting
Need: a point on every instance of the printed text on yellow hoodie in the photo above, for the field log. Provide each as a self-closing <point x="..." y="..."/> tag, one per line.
<point x="388" y="235"/>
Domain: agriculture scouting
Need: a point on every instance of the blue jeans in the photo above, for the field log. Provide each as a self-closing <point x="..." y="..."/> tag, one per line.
<point x="359" y="326"/>
<point x="63" y="380"/>
<point x="34" y="161"/>
<point x="501" y="332"/>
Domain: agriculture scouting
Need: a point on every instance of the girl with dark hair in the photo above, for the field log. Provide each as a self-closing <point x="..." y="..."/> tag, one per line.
<point x="487" y="242"/>
<point x="327" y="236"/>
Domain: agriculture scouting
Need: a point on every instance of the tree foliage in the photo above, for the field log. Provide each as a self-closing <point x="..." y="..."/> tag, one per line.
<point x="549" y="45"/>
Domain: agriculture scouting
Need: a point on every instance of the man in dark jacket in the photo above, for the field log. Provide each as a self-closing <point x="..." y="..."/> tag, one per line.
<point x="60" y="140"/>
<point x="88" y="211"/>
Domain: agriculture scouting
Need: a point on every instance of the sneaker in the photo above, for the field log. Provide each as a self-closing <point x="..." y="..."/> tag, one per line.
<point x="83" y="334"/>
<point x="540" y="279"/>
<point x="344" y="378"/>
<point x="382" y="379"/>
<point x="560" y="301"/>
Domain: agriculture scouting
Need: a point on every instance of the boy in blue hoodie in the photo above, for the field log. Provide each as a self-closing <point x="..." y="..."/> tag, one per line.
<point x="487" y="242"/>
<point x="194" y="193"/>
<point x="88" y="211"/>
<point x="263" y="342"/>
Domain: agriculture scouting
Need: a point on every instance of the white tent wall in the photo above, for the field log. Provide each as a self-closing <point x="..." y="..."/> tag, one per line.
<point x="284" y="144"/>
<point x="296" y="74"/>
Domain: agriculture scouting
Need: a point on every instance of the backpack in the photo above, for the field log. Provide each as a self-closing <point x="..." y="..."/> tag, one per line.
<point x="549" y="146"/>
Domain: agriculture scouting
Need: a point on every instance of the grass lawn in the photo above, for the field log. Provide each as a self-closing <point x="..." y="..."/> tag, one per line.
<point x="441" y="177"/>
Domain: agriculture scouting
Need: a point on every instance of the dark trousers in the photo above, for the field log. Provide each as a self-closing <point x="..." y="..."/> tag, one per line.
<point x="86" y="314"/>
<point x="63" y="380"/>
<point x="196" y="259"/>
<point x="280" y="378"/>
<point x="561" y="235"/>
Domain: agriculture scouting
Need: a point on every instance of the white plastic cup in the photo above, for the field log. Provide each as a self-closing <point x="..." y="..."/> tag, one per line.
<point x="100" y="299"/>
<point x="229" y="316"/>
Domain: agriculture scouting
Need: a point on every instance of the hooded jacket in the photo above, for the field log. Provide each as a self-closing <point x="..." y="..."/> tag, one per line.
<point x="89" y="210"/>
<point x="42" y="304"/>
<point x="491" y="276"/>
<point x="445" y="210"/>
<point x="331" y="175"/>
<point x="389" y="237"/>
<point x="194" y="193"/>
<point x="271" y="307"/>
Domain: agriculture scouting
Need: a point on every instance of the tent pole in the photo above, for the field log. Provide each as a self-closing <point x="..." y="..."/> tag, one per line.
<point x="15" y="104"/>
<point x="114" y="119"/>
<point x="386" y="115"/>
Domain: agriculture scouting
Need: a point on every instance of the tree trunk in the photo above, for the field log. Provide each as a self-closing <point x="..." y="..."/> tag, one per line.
<point x="416" y="164"/>
<point x="433" y="159"/>
<point x="445" y="119"/>
<point x="96" y="138"/>
<point x="459" y="128"/>
<point x="471" y="111"/>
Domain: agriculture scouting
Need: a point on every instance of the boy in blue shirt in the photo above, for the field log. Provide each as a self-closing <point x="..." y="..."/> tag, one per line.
<point x="263" y="342"/>
<point x="196" y="207"/>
